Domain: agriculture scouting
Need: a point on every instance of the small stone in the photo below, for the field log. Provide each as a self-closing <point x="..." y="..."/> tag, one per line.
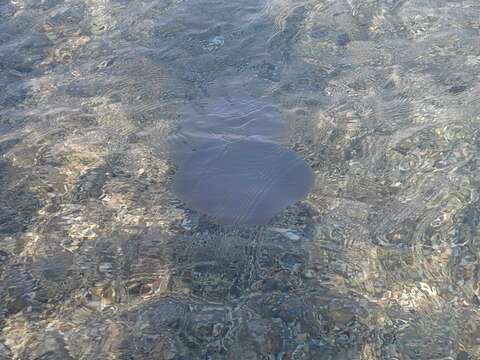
<point x="217" y="329"/>
<point x="105" y="267"/>
<point x="343" y="39"/>
<point x="308" y="274"/>
<point x="301" y="337"/>
<point x="341" y="315"/>
<point x="288" y="233"/>
<point x="463" y="355"/>
<point x="3" y="256"/>
<point x="215" y="43"/>
<point x="292" y="236"/>
<point x="83" y="231"/>
<point x="218" y="41"/>
<point x="4" y="351"/>
<point x="457" y="89"/>
<point x="16" y="305"/>
<point x="189" y="224"/>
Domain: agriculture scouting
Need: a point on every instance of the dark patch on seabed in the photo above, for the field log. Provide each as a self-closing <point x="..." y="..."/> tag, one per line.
<point x="99" y="258"/>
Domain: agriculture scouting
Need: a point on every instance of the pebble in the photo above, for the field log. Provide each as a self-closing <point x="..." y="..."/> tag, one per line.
<point x="343" y="39"/>
<point x="190" y="223"/>
<point x="292" y="236"/>
<point x="308" y="274"/>
<point x="288" y="233"/>
<point x="215" y="43"/>
<point x="3" y="256"/>
<point x="4" y="351"/>
<point x="301" y="337"/>
<point x="463" y="355"/>
<point x="105" y="267"/>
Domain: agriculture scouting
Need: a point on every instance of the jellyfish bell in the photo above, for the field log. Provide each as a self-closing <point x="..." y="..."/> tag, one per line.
<point x="242" y="182"/>
<point x="229" y="119"/>
<point x="231" y="166"/>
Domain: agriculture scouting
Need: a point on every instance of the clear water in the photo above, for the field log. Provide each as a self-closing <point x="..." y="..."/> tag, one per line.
<point x="100" y="260"/>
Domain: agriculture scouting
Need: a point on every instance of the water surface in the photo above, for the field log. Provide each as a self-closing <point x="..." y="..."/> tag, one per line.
<point x="373" y="255"/>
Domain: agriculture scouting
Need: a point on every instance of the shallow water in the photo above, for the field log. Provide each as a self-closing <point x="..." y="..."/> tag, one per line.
<point x="99" y="259"/>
